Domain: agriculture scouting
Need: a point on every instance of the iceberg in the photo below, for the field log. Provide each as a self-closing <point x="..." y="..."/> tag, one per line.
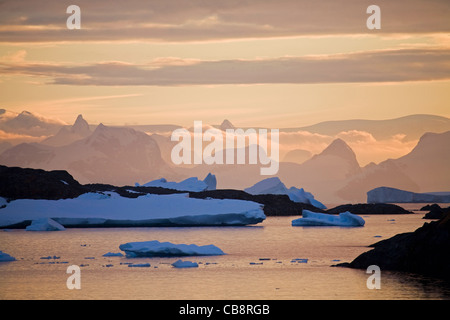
<point x="6" y="257"/>
<point x="113" y="254"/>
<point x="166" y="249"/>
<point x="344" y="219"/>
<point x="151" y="210"/>
<point x="275" y="186"/>
<point x="190" y="184"/>
<point x="45" y="224"/>
<point x="185" y="264"/>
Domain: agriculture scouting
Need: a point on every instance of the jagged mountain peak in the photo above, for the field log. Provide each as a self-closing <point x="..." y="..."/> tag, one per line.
<point x="226" y="124"/>
<point x="339" y="148"/>
<point x="80" y="125"/>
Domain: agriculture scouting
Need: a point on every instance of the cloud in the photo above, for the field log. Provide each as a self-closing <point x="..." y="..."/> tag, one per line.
<point x="16" y="138"/>
<point x="416" y="64"/>
<point x="198" y="20"/>
<point x="366" y="147"/>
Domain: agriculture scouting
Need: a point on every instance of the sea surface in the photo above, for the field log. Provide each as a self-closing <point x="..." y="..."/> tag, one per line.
<point x="260" y="263"/>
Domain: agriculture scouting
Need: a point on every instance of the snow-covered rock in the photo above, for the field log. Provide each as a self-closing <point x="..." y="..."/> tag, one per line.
<point x="110" y="209"/>
<point x="344" y="219"/>
<point x="6" y="257"/>
<point x="185" y="264"/>
<point x="166" y="249"/>
<point x="192" y="184"/>
<point x="275" y="186"/>
<point x="45" y="224"/>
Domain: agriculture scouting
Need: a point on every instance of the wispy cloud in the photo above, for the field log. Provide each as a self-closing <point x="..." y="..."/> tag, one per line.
<point x="421" y="64"/>
<point x="198" y="20"/>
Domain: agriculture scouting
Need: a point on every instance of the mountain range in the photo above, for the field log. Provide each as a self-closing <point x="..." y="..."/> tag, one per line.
<point x="124" y="156"/>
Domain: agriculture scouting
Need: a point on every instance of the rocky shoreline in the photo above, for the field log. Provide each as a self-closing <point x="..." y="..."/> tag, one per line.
<point x="425" y="251"/>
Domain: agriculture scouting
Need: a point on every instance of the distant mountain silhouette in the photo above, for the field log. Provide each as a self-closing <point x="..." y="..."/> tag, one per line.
<point x="66" y="135"/>
<point x="412" y="126"/>
<point x="425" y="169"/>
<point x="109" y="155"/>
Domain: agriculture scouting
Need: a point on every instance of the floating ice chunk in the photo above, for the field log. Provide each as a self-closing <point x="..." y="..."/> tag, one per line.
<point x="299" y="260"/>
<point x="113" y="254"/>
<point x="139" y="265"/>
<point x="166" y="249"/>
<point x="50" y="257"/>
<point x="345" y="219"/>
<point x="45" y="224"/>
<point x="185" y="264"/>
<point x="6" y="257"/>
<point x="97" y="210"/>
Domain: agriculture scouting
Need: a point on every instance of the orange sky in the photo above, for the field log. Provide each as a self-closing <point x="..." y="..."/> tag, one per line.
<point x="257" y="63"/>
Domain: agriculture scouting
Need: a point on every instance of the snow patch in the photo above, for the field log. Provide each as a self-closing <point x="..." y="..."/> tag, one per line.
<point x="192" y="184"/>
<point x="275" y="186"/>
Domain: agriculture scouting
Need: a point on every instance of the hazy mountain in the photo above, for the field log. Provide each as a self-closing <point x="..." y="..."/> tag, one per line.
<point x="28" y="123"/>
<point x="412" y="126"/>
<point x="110" y="155"/>
<point x="428" y="164"/>
<point x="66" y="135"/>
<point x="324" y="173"/>
<point x="297" y="156"/>
<point x="425" y="169"/>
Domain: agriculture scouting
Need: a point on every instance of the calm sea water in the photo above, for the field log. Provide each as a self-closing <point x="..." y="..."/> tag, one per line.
<point x="258" y="264"/>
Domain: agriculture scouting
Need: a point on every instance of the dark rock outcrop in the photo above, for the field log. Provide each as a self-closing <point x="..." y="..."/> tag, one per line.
<point x="20" y="183"/>
<point x="425" y="251"/>
<point x="369" y="208"/>
<point x="435" y="211"/>
<point x="274" y="204"/>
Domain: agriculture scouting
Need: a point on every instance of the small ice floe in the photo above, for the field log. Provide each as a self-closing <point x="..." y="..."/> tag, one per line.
<point x="50" y="257"/>
<point x="298" y="260"/>
<point x="139" y="265"/>
<point x="113" y="254"/>
<point x="45" y="224"/>
<point x="6" y="257"/>
<point x="344" y="219"/>
<point x="185" y="264"/>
